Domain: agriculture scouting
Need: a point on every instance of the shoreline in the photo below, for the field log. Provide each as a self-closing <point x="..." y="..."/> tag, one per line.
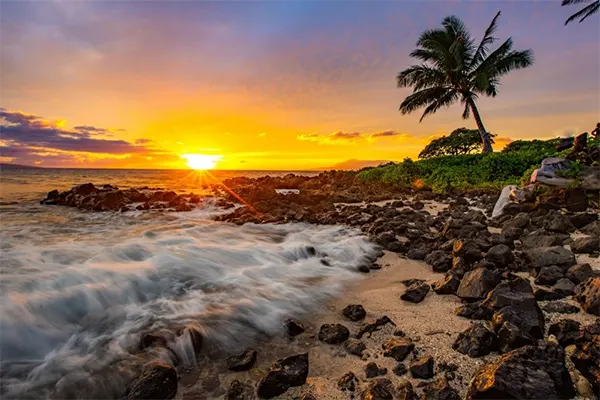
<point x="499" y="269"/>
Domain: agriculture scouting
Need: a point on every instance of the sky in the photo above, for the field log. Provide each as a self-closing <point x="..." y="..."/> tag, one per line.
<point x="266" y="85"/>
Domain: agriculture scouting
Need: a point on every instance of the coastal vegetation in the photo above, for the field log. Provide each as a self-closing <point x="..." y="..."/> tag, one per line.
<point x="460" y="141"/>
<point x="454" y="68"/>
<point x="511" y="166"/>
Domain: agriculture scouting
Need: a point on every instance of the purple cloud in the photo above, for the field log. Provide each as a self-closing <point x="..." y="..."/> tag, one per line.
<point x="25" y="130"/>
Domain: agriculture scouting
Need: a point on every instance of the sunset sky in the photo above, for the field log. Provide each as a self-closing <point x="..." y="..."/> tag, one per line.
<point x="265" y="85"/>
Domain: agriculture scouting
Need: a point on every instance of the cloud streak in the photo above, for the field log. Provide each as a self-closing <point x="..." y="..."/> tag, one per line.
<point x="341" y="137"/>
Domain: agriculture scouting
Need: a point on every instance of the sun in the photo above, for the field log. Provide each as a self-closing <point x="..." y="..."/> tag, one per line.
<point x="201" y="161"/>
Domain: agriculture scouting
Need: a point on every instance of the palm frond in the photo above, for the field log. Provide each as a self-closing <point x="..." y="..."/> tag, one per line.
<point x="584" y="12"/>
<point x="513" y="60"/>
<point x="423" y="98"/>
<point x="487" y="39"/>
<point x="467" y="111"/>
<point x="421" y="76"/>
<point x="461" y="46"/>
<point x="445" y="100"/>
<point x="488" y="63"/>
<point x="569" y="2"/>
<point x="438" y="43"/>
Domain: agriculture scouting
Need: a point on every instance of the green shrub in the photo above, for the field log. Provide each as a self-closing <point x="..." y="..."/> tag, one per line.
<point x="482" y="171"/>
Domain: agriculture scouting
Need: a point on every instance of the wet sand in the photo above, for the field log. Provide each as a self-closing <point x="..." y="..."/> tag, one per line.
<point x="431" y="324"/>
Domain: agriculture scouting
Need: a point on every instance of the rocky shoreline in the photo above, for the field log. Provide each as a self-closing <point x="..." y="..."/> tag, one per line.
<point x="524" y="288"/>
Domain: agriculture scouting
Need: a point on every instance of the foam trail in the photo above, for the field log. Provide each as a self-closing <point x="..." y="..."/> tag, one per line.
<point x="75" y="306"/>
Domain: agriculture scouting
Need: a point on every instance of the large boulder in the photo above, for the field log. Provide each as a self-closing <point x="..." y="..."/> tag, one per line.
<point x="476" y="341"/>
<point x="588" y="295"/>
<point x="283" y="374"/>
<point x="547" y="256"/>
<point x="157" y="381"/>
<point x="476" y="284"/>
<point x="531" y="372"/>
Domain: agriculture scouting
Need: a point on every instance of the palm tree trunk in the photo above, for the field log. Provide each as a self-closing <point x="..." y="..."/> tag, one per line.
<point x="485" y="138"/>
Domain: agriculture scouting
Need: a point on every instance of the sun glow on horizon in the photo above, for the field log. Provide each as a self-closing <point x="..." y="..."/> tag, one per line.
<point x="201" y="162"/>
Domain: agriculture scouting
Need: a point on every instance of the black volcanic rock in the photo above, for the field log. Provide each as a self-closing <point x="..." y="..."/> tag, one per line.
<point x="157" y="381"/>
<point x="283" y="374"/>
<point x="531" y="372"/>
<point x="354" y="312"/>
<point x="415" y="293"/>
<point x="333" y="333"/>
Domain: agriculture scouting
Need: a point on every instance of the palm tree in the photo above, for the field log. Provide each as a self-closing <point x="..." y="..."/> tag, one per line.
<point x="453" y="68"/>
<point x="585" y="12"/>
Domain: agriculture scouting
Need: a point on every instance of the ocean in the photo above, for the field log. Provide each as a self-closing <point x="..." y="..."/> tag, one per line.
<point x="79" y="288"/>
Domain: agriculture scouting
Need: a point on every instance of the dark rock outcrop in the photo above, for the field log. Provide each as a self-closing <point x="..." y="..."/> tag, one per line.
<point x="580" y="273"/>
<point x="373" y="326"/>
<point x="475" y="311"/>
<point x="333" y="333"/>
<point x="439" y="260"/>
<point x="397" y="348"/>
<point x="531" y="372"/>
<point x="476" y="341"/>
<point x="379" y="389"/>
<point x="564" y="286"/>
<point x="586" y="244"/>
<point x="549" y="275"/>
<point x="157" y="381"/>
<point x="422" y="368"/>
<point x="501" y="255"/>
<point x="294" y="327"/>
<point x="283" y="374"/>
<point x="547" y="256"/>
<point x="416" y="292"/>
<point x="476" y="284"/>
<point x="354" y="312"/>
<point x="372" y="370"/>
<point x="448" y="284"/>
<point x="355" y="346"/>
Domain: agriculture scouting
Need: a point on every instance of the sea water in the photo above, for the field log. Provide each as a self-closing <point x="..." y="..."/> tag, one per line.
<point x="79" y="288"/>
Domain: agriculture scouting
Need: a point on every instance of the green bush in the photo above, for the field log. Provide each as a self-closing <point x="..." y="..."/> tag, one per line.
<point x="482" y="171"/>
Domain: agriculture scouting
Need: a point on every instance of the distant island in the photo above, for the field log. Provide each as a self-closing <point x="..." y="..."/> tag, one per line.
<point x="354" y="164"/>
<point x="17" y="166"/>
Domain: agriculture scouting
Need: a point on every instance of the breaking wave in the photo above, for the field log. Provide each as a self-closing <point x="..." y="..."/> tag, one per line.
<point x="76" y="301"/>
